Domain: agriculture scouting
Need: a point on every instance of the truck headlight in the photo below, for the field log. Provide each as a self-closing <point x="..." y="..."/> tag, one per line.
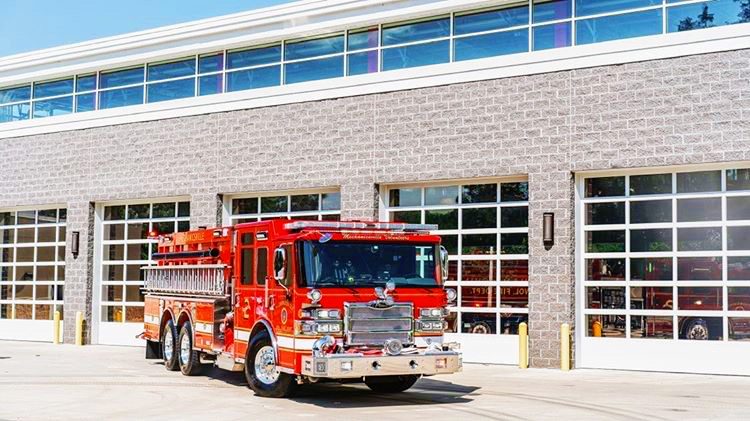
<point x="328" y="314"/>
<point x="431" y="312"/>
<point x="323" y="327"/>
<point x="430" y="325"/>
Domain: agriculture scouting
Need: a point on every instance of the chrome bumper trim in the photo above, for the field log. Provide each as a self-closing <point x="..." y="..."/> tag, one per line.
<point x="335" y="366"/>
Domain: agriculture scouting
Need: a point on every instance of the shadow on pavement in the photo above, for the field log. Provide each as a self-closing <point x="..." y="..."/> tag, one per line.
<point x="427" y="391"/>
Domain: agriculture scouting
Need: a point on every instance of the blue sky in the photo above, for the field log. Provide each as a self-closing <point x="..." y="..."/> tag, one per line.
<point x="29" y="25"/>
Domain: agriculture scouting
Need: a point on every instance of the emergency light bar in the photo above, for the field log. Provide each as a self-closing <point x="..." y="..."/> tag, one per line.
<point x="396" y="226"/>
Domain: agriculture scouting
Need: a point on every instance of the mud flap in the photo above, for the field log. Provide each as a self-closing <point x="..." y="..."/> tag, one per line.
<point x="153" y="350"/>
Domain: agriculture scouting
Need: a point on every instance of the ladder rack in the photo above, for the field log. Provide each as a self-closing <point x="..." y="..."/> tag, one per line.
<point x="185" y="279"/>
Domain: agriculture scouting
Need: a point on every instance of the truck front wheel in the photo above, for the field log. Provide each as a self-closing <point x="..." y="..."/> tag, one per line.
<point x="168" y="349"/>
<point x="262" y="372"/>
<point x="391" y="384"/>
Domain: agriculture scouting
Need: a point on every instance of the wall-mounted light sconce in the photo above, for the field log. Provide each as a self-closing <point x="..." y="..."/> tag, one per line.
<point x="75" y="243"/>
<point x="548" y="229"/>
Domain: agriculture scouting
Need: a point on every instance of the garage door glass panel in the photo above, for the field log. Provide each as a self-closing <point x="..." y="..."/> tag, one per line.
<point x="605" y="269"/>
<point x="738" y="208"/>
<point x="651" y="240"/>
<point x="32" y="262"/>
<point x="700" y="181"/>
<point x="651" y="269"/>
<point x="605" y="241"/>
<point x="658" y="327"/>
<point x="698" y="210"/>
<point x="484" y="227"/>
<point x="126" y="247"/>
<point x="650" y="184"/>
<point x="606" y="325"/>
<point x="687" y="253"/>
<point x="605" y="186"/>
<point x="445" y="219"/>
<point x="324" y="206"/>
<point x="738" y="268"/>
<point x="738" y="179"/>
<point x="650" y="211"/>
<point x="605" y="213"/>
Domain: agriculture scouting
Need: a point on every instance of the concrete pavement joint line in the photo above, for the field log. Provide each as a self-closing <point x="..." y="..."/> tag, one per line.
<point x="599" y="408"/>
<point x="452" y="408"/>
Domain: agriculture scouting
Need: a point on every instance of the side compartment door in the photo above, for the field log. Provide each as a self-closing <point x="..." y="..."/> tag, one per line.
<point x="244" y="292"/>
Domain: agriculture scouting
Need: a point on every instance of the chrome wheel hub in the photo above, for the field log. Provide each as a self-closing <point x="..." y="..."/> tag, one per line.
<point x="168" y="346"/>
<point x="265" y="365"/>
<point x="699" y="332"/>
<point x="185" y="350"/>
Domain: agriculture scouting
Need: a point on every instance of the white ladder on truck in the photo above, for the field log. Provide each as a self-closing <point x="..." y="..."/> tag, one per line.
<point x="185" y="279"/>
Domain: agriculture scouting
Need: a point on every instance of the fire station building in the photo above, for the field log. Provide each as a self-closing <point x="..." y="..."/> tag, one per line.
<point x="627" y="120"/>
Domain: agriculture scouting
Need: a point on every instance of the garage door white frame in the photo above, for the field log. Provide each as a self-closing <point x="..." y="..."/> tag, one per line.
<point x="481" y="348"/>
<point x="122" y="332"/>
<point x="671" y="355"/>
<point x="43" y="296"/>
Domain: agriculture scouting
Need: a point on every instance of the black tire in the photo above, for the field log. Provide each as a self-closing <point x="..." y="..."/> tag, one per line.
<point x="284" y="384"/>
<point x="169" y="357"/>
<point x="190" y="363"/>
<point x="391" y="384"/>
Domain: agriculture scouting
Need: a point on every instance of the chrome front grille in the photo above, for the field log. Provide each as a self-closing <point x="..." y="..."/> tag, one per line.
<point x="366" y="325"/>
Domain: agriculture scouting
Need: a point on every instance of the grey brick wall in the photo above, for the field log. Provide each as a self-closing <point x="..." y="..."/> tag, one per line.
<point x="549" y="126"/>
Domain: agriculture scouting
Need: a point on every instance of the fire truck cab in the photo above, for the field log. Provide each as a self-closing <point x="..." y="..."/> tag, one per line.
<point x="294" y="302"/>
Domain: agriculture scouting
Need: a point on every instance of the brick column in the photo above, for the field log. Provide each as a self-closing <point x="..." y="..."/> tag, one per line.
<point x="79" y="271"/>
<point x="551" y="276"/>
<point x="359" y="200"/>
<point x="205" y="210"/>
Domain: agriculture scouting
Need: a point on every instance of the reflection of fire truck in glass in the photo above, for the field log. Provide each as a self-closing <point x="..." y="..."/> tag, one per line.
<point x="695" y="298"/>
<point x="484" y="297"/>
<point x="293" y="302"/>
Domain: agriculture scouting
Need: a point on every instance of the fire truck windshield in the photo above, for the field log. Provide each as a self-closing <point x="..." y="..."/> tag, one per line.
<point x="354" y="264"/>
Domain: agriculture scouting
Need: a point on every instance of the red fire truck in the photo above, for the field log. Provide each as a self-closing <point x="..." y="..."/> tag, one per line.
<point x="294" y="302"/>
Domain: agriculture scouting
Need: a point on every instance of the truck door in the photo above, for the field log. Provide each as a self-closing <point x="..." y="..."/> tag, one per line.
<point x="281" y="307"/>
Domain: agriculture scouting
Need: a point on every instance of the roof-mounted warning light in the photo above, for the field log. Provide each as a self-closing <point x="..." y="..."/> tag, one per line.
<point x="335" y="225"/>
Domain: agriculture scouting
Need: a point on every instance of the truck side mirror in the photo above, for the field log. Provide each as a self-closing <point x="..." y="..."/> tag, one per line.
<point x="279" y="270"/>
<point x="279" y="265"/>
<point x="444" y="262"/>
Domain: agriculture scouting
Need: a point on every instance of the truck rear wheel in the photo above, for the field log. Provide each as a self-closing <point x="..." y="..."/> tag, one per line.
<point x="190" y="363"/>
<point x="390" y="384"/>
<point x="168" y="339"/>
<point x="262" y="372"/>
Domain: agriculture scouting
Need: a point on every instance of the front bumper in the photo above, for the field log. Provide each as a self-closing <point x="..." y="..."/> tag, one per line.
<point x="347" y="366"/>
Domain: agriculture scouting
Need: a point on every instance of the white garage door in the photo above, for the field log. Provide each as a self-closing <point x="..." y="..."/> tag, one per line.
<point x="664" y="270"/>
<point x="123" y="247"/>
<point x="484" y="226"/>
<point x="32" y="272"/>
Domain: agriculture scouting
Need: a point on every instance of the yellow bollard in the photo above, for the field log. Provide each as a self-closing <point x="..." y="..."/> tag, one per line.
<point x="79" y="328"/>
<point x="56" y="324"/>
<point x="523" y="345"/>
<point x="565" y="347"/>
<point x="596" y="329"/>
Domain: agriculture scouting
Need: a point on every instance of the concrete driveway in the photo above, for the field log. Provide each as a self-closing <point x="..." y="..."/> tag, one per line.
<point x="43" y="382"/>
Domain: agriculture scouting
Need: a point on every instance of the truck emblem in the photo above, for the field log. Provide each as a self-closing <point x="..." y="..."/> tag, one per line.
<point x="284" y="316"/>
<point x="325" y="237"/>
<point x="383" y="294"/>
